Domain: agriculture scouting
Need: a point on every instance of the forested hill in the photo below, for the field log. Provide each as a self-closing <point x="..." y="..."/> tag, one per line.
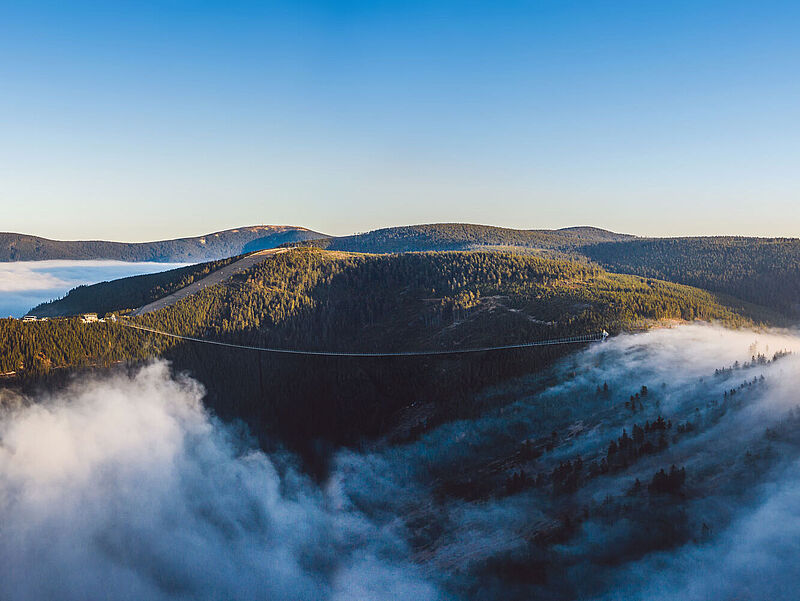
<point x="126" y="293"/>
<point x="315" y="299"/>
<point x="320" y="300"/>
<point x="765" y="271"/>
<point x="761" y="271"/>
<point x="219" y="245"/>
<point x="465" y="236"/>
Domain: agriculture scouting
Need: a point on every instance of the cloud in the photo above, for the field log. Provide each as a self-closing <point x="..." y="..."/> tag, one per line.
<point x="125" y="488"/>
<point x="757" y="558"/>
<point x="617" y="552"/>
<point x="16" y="278"/>
<point x="25" y="284"/>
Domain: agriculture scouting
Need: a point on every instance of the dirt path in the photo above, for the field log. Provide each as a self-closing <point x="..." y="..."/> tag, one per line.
<point x="220" y="275"/>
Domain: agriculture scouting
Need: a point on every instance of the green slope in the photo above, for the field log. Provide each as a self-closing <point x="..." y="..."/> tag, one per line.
<point x="765" y="271"/>
<point x="328" y="300"/>
<point x="320" y="300"/>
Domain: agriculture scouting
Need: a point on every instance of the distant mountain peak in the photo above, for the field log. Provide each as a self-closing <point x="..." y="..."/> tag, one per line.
<point x="207" y="247"/>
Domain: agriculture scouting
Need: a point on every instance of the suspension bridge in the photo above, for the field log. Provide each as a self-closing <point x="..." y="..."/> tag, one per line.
<point x="583" y="339"/>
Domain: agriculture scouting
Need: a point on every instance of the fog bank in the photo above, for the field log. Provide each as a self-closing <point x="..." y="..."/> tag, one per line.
<point x="26" y="284"/>
<point x="124" y="488"/>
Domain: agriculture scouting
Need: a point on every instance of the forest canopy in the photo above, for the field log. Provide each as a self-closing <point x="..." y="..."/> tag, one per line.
<point x="315" y="299"/>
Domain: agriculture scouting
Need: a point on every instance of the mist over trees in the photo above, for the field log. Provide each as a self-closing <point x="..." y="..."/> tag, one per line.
<point x="549" y="486"/>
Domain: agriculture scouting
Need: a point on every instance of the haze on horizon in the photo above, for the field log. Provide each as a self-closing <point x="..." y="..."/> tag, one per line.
<point x="144" y="121"/>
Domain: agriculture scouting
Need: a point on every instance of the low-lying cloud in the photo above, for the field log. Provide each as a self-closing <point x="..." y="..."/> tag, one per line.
<point x="741" y="485"/>
<point x="756" y="558"/>
<point x="25" y="284"/>
<point x="125" y="488"/>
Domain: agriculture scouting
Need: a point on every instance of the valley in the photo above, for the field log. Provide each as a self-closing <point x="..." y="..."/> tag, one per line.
<point x="558" y="471"/>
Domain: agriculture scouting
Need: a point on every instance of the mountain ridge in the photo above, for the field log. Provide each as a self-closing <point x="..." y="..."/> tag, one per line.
<point x="206" y="247"/>
<point x="235" y="241"/>
<point x="466" y="236"/>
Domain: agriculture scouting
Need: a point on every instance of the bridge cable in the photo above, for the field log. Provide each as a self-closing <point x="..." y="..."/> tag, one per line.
<point x="571" y="340"/>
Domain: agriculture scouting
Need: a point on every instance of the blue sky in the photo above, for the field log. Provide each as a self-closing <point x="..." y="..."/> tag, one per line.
<point x="138" y="120"/>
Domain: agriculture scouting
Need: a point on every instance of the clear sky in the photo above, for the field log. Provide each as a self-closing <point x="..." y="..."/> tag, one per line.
<point x="141" y="120"/>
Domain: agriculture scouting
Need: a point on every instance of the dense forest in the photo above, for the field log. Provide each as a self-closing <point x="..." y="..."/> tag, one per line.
<point x="219" y="245"/>
<point x="765" y="271"/>
<point x="758" y="271"/>
<point x="311" y="298"/>
<point x="320" y="300"/>
<point x="31" y="350"/>
<point x="465" y="236"/>
<point x="762" y="271"/>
